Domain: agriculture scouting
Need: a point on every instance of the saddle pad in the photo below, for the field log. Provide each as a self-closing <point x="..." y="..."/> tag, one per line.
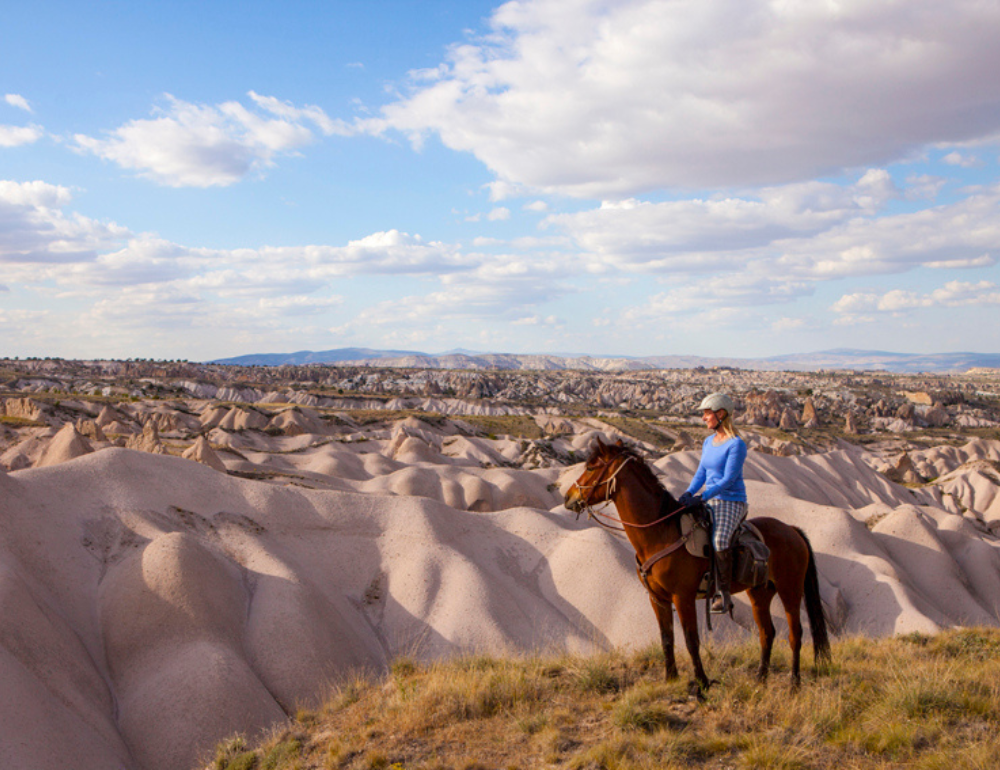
<point x="699" y="543"/>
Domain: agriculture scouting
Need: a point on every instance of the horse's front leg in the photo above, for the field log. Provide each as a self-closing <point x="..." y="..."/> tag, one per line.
<point x="687" y="612"/>
<point x="665" y="619"/>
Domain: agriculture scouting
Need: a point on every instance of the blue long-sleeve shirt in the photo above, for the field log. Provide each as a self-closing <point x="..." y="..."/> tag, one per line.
<point x="721" y="470"/>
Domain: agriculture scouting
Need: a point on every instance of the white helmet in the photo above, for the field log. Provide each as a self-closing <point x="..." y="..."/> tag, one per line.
<point x="717" y="401"/>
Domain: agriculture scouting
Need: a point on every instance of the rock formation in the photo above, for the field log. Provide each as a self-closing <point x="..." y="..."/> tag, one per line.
<point x="201" y="451"/>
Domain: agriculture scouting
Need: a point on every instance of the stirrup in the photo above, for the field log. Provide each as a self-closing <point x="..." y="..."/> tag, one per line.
<point x="720" y="605"/>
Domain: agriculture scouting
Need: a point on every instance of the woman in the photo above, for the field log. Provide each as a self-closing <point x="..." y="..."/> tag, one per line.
<point x="720" y="472"/>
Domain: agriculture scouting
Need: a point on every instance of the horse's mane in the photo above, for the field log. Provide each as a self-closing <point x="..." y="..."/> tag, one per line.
<point x="643" y="470"/>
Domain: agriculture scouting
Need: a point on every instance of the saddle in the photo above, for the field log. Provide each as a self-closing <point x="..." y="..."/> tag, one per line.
<point x="750" y="557"/>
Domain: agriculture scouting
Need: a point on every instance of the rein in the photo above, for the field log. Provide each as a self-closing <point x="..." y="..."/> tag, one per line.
<point x="597" y="515"/>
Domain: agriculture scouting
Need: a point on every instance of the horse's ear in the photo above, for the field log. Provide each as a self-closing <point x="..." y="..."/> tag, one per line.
<point x="600" y="444"/>
<point x="619" y="443"/>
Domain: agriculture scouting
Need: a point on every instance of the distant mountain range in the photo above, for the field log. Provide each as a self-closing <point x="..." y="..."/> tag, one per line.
<point x="303" y="357"/>
<point x="840" y="358"/>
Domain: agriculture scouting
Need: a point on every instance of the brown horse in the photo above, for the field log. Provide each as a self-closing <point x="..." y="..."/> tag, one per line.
<point x="650" y="517"/>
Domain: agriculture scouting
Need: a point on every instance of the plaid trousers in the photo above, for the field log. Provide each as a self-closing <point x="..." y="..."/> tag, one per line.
<point x="726" y="517"/>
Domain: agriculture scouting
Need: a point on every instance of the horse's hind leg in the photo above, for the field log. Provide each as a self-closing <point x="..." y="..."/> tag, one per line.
<point x="791" y="600"/>
<point x="665" y="620"/>
<point x="760" y="602"/>
<point x="687" y="612"/>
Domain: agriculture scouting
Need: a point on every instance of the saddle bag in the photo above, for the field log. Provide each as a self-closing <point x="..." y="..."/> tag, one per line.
<point x="751" y="561"/>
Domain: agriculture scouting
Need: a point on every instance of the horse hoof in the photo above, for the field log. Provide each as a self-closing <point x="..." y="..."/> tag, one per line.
<point x="697" y="690"/>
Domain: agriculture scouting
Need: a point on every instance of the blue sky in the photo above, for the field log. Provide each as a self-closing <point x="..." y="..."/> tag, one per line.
<point x="641" y="177"/>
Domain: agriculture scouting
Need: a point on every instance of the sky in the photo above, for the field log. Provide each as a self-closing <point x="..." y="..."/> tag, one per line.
<point x="192" y="180"/>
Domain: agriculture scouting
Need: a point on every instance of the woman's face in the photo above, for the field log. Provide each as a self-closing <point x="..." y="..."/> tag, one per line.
<point x="712" y="419"/>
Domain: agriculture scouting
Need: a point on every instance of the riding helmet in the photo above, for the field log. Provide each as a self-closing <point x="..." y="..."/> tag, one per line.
<point x="717" y="401"/>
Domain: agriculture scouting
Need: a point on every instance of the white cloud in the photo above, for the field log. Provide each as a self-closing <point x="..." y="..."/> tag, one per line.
<point x="537" y="320"/>
<point x="699" y="235"/>
<point x="499" y="214"/>
<point x="790" y="324"/>
<point x="958" y="159"/>
<point x="957" y="293"/>
<point x="500" y="190"/>
<point x="16" y="100"/>
<point x="190" y="145"/>
<point x="952" y="294"/>
<point x="297" y="115"/>
<point x="34" y="231"/>
<point x="298" y="306"/>
<point x="538" y="206"/>
<point x="504" y="288"/>
<point x="711" y="296"/>
<point x="18" y="321"/>
<point x="269" y="271"/>
<point x="923" y="187"/>
<point x="607" y="98"/>
<point x="960" y="235"/>
<point x="852" y="303"/>
<point x="803" y="232"/>
<point x="15" y="136"/>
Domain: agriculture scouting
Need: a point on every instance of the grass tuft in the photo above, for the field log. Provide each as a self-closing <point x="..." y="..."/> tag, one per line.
<point x="928" y="702"/>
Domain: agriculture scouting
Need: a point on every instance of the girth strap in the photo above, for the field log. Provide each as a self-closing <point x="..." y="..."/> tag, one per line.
<point x="644" y="567"/>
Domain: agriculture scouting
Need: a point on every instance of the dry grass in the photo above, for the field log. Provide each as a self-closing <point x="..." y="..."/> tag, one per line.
<point x="912" y="701"/>
<point x="513" y="425"/>
<point x="21" y="422"/>
<point x="640" y="429"/>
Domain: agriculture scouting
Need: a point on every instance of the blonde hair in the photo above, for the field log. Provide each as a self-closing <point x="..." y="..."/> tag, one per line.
<point x="727" y="426"/>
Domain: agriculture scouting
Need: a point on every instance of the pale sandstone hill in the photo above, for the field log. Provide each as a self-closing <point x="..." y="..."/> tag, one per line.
<point x="201" y="451"/>
<point x="65" y="445"/>
<point x="201" y="604"/>
<point x="163" y="598"/>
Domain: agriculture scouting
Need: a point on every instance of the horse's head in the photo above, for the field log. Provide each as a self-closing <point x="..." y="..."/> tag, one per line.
<point x="595" y="484"/>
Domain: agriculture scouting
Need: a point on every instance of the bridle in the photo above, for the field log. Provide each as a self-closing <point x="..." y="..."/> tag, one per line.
<point x="612" y="483"/>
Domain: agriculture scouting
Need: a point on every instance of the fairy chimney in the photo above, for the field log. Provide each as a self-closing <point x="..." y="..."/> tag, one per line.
<point x="809" y="417"/>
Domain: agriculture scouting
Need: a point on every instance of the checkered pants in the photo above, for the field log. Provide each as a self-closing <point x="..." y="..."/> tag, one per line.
<point x="726" y="517"/>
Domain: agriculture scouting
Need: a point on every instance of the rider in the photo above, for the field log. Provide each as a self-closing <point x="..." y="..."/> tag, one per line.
<point x="720" y="471"/>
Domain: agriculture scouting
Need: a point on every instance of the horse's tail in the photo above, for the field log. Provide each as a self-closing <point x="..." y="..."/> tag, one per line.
<point x="814" y="607"/>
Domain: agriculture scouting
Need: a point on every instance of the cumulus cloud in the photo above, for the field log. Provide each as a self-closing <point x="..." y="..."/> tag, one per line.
<point x="718" y="298"/>
<point x="711" y="234"/>
<point x="952" y="294"/>
<point x="16" y="100"/>
<point x="813" y="231"/>
<point x="191" y="145"/>
<point x="500" y="289"/>
<point x="261" y="292"/>
<point x="14" y="136"/>
<point x="609" y="98"/>
<point x="267" y="272"/>
<point x="42" y="243"/>
<point x="34" y="229"/>
<point x="537" y="320"/>
<point x="965" y="234"/>
<point x="958" y="159"/>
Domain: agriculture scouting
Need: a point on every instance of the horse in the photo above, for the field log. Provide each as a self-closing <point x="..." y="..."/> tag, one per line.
<point x="650" y="517"/>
